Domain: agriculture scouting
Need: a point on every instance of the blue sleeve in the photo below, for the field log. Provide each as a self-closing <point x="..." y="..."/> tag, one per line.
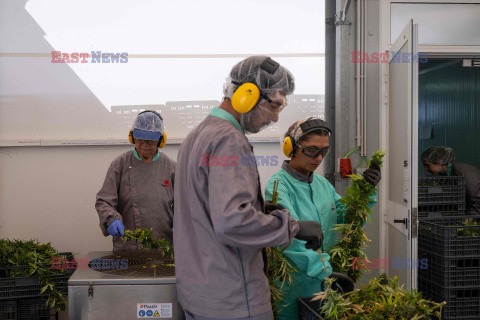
<point x="305" y="260"/>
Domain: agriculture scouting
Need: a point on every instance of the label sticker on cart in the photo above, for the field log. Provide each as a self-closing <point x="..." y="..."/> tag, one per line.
<point x="154" y="310"/>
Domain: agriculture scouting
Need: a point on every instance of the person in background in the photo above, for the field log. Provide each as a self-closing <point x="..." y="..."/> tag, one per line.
<point x="138" y="188"/>
<point x="308" y="196"/>
<point x="441" y="161"/>
<point x="220" y="224"/>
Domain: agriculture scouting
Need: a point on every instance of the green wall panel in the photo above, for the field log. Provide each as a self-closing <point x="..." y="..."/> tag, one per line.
<point x="449" y="109"/>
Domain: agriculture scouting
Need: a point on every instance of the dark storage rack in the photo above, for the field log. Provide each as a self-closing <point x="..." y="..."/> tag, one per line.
<point x="441" y="190"/>
<point x="453" y="273"/>
<point x="441" y="210"/>
<point x="309" y="310"/>
<point x="20" y="297"/>
<point x="447" y="237"/>
<point x="25" y="309"/>
<point x="462" y="303"/>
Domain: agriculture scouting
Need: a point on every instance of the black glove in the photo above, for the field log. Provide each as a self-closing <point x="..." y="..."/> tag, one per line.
<point x="372" y="175"/>
<point x="269" y="206"/>
<point x="310" y="231"/>
<point x="342" y="282"/>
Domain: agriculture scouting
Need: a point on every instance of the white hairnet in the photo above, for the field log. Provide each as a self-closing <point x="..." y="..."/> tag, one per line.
<point x="248" y="70"/>
<point x="148" y="126"/>
<point x="438" y="155"/>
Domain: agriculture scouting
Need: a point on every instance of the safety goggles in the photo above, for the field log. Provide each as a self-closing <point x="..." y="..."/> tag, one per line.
<point x="274" y="106"/>
<point x="314" y="152"/>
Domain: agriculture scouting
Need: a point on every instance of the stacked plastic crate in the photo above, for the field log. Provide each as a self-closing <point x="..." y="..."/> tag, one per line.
<point x="308" y="309"/>
<point x="451" y="243"/>
<point x="20" y="297"/>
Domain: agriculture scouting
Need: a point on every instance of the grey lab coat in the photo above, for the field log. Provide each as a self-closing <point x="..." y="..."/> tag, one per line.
<point x="472" y="178"/>
<point x="140" y="194"/>
<point x="219" y="224"/>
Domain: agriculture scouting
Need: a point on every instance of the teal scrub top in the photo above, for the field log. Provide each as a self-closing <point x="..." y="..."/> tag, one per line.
<point x="311" y="198"/>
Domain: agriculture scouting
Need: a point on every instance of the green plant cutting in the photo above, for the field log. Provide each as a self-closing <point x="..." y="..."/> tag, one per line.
<point x="146" y="239"/>
<point x="37" y="258"/>
<point x="356" y="213"/>
<point x="381" y="298"/>
<point x="468" y="232"/>
<point x="279" y="270"/>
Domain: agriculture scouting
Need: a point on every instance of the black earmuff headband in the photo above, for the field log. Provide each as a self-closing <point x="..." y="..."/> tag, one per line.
<point x="314" y="124"/>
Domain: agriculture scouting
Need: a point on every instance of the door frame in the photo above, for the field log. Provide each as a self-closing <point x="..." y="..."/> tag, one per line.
<point x="432" y="51"/>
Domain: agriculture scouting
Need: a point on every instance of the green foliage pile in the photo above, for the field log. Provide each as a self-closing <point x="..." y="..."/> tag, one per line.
<point x="279" y="272"/>
<point x="468" y="232"/>
<point x="146" y="239"/>
<point x="37" y="257"/>
<point x="380" y="299"/>
<point x="356" y="212"/>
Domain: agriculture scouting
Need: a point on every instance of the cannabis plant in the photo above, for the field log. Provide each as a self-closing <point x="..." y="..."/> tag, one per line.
<point x="381" y="298"/>
<point x="356" y="212"/>
<point x="35" y="259"/>
<point x="146" y="239"/>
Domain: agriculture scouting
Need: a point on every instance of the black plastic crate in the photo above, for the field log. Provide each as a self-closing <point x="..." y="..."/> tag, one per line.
<point x="25" y="309"/>
<point x="8" y="310"/>
<point x="23" y="287"/>
<point x="462" y="303"/>
<point x="441" y="189"/>
<point x="441" y="210"/>
<point x="309" y="310"/>
<point x="448" y="272"/>
<point x="448" y="237"/>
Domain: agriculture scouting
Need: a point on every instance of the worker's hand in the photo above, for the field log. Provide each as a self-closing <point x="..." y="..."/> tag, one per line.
<point x="116" y="228"/>
<point x="310" y="231"/>
<point x="372" y="175"/>
<point x="269" y="206"/>
<point x="342" y="283"/>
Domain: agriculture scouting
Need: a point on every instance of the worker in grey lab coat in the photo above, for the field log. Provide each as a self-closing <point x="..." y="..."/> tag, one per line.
<point x="138" y="188"/>
<point x="220" y="225"/>
<point x="441" y="161"/>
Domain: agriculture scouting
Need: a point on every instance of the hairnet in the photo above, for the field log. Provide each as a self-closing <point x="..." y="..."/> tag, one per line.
<point x="148" y="126"/>
<point x="249" y="70"/>
<point x="438" y="155"/>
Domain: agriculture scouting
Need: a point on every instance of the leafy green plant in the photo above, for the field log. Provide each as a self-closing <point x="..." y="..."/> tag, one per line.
<point x="146" y="239"/>
<point x="381" y="298"/>
<point x="37" y="259"/>
<point x="279" y="272"/>
<point x="356" y="212"/>
<point x="468" y="232"/>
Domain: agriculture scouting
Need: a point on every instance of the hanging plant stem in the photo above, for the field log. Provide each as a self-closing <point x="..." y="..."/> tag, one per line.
<point x="146" y="239"/>
<point x="349" y="248"/>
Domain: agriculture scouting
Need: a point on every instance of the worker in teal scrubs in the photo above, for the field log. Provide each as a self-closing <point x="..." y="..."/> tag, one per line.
<point x="310" y="197"/>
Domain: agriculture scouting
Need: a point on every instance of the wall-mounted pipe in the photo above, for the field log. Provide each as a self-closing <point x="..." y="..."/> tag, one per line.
<point x="364" y="79"/>
<point x="361" y="76"/>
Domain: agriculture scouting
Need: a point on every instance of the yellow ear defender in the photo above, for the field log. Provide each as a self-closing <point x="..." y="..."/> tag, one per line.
<point x="247" y="95"/>
<point x="288" y="146"/>
<point x="163" y="138"/>
<point x="309" y="125"/>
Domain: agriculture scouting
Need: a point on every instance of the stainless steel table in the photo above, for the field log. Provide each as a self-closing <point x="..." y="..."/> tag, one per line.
<point x="96" y="295"/>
